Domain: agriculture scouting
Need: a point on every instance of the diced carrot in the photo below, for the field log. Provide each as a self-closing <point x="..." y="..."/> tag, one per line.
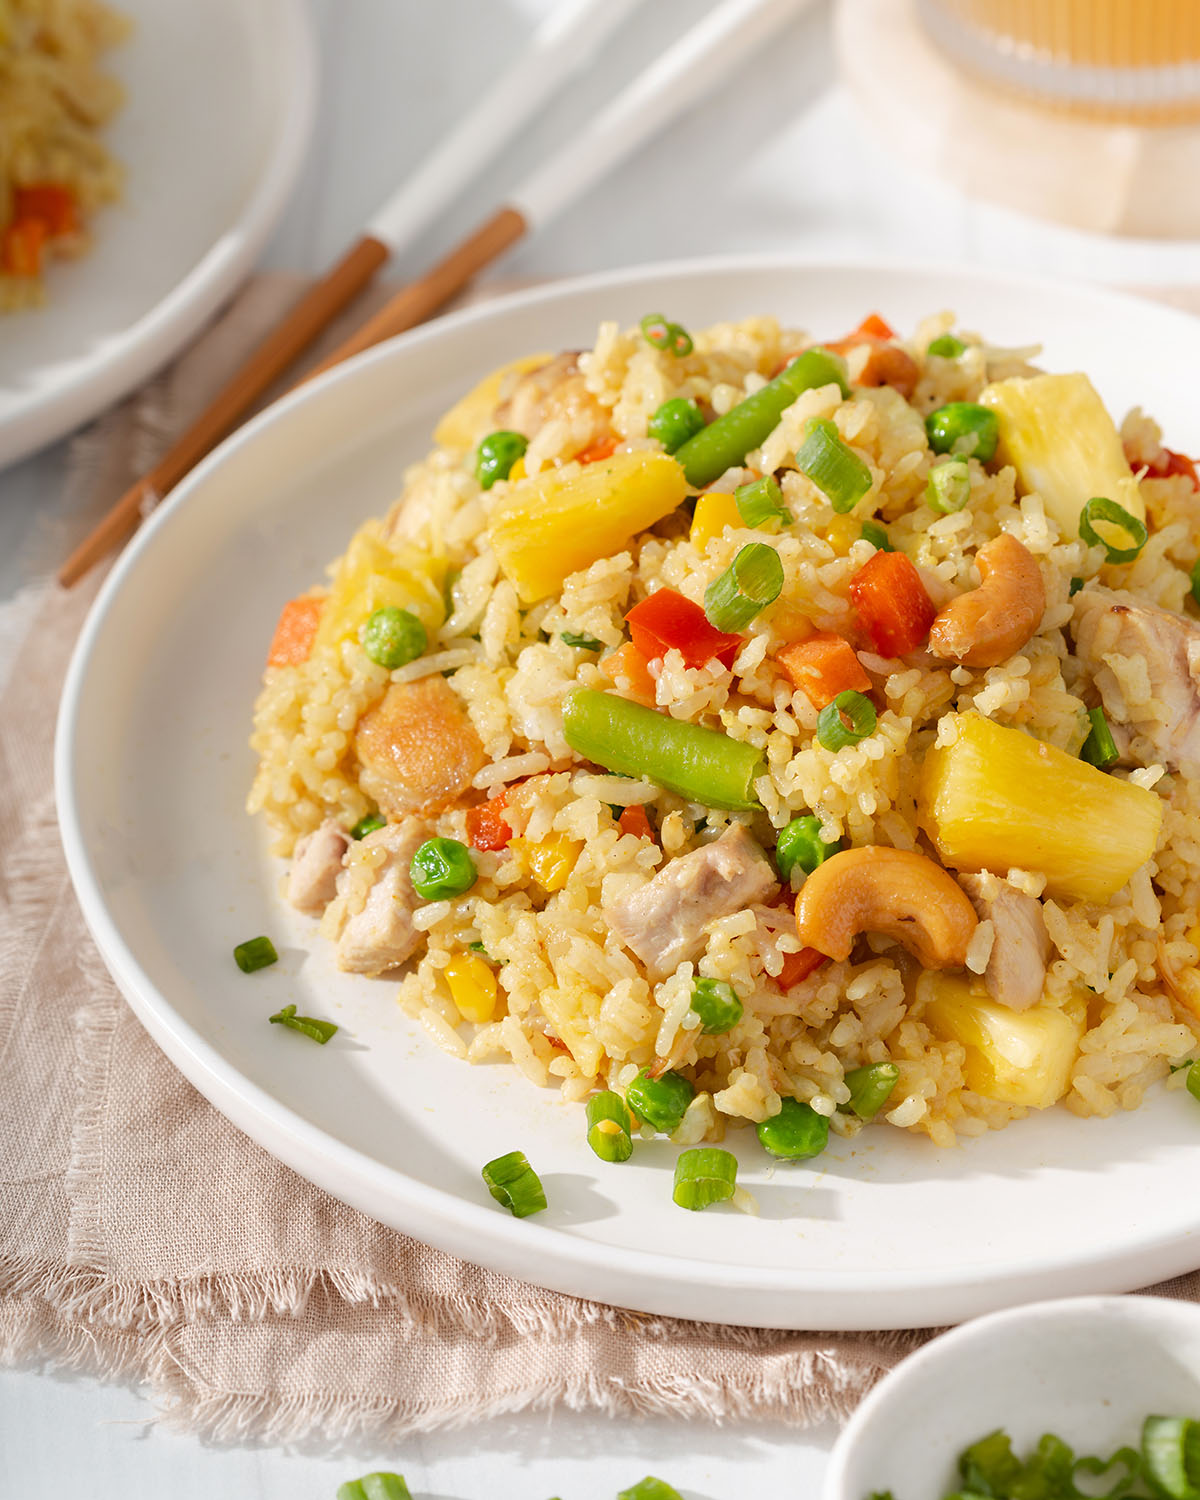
<point x="666" y="619"/>
<point x="823" y="666"/>
<point x="21" y="247"/>
<point x="52" y="202"/>
<point x="629" y="663"/>
<point x="1175" y="463"/>
<point x="888" y="364"/>
<point x="798" y="966"/>
<point x="603" y="447"/>
<point x="297" y="628"/>
<point x="634" y="820"/>
<point x="487" y="827"/>
<point x="892" y="603"/>
<point x="874" y="327"/>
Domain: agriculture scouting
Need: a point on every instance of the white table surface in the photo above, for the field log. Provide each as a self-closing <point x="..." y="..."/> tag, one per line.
<point x="776" y="160"/>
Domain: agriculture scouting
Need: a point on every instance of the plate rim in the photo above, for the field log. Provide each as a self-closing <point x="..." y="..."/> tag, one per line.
<point x="567" y="1263"/>
<point x="165" y="327"/>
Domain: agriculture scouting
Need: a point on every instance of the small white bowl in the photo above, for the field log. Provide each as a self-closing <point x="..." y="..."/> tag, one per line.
<point x="1089" y="1369"/>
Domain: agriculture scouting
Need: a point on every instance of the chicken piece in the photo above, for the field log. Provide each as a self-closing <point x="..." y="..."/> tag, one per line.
<point x="382" y="934"/>
<point x="316" y="864"/>
<point x="1166" y="646"/>
<point x="665" y="923"/>
<point x="1016" y="970"/>
<point x="555" y="392"/>
<point x="418" y="748"/>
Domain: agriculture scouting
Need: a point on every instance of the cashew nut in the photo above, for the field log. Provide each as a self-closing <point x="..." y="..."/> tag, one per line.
<point x="984" y="627"/>
<point x="892" y="891"/>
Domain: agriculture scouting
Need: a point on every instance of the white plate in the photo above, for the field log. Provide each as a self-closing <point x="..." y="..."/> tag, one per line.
<point x="152" y="771"/>
<point x="218" y="113"/>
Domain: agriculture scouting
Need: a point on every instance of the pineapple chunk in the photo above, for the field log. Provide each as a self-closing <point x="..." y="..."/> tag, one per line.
<point x="473" y="416"/>
<point x="562" y="520"/>
<point x="1057" y="434"/>
<point x="1018" y="1057"/>
<point x="996" y="798"/>
<point x="372" y="574"/>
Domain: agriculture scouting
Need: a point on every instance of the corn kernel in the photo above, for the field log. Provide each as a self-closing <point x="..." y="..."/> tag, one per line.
<point x="842" y="533"/>
<point x="1193" y="936"/>
<point x="549" y="860"/>
<point x="713" y="513"/>
<point x="472" y="982"/>
<point x="518" y="470"/>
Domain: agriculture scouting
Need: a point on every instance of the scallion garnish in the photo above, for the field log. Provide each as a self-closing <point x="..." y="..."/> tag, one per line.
<point x="582" y="642"/>
<point x="1073" y="587"/>
<point x="320" y="1031"/>
<point x="375" y="1487"/>
<point x="761" y="501"/>
<point x="716" y="1003"/>
<point x="660" y="1102"/>
<point x="513" y="1182"/>
<point x="609" y="1127"/>
<point x="1099" y="749"/>
<point x="704" y="1175"/>
<point x="949" y="486"/>
<point x="665" y="335"/>
<point x="650" y="1489"/>
<point x="874" y="533"/>
<point x="1194" y="575"/>
<point x="367" y="825"/>
<point x="947" y="347"/>
<point x="870" y="1089"/>
<point x="1171" y="1455"/>
<point x="1109" y="513"/>
<point x="795" y="1133"/>
<point x="1192" y="1081"/>
<point x="255" y="953"/>
<point x="753" y="580"/>
<point x="845" y="721"/>
<point x="836" y="470"/>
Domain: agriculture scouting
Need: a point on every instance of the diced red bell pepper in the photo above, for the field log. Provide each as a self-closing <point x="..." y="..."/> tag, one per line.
<point x="1175" y="463"/>
<point x="21" y="247"/>
<point x="487" y="827"/>
<point x="51" y="202"/>
<point x="634" y="820"/>
<point x="798" y="966"/>
<point x="628" y="662"/>
<point x="823" y="666"/>
<point x="892" y="603"/>
<point x="666" y="619"/>
<point x="603" y="447"/>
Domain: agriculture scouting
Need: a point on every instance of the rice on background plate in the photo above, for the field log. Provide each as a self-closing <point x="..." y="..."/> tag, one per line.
<point x="467" y="741"/>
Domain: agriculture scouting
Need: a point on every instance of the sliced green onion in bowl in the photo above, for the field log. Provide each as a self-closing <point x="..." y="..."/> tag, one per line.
<point x="949" y="486"/>
<point x="795" y="1133"/>
<point x="1109" y="513"/>
<point x="870" y="1089"/>
<point x="836" y="470"/>
<point x="761" y="501"/>
<point x="255" y="953"/>
<point x="660" y="1102"/>
<point x="1099" y="749"/>
<point x="609" y="1127"/>
<point x="947" y="347"/>
<point x="877" y="535"/>
<point x="753" y="580"/>
<point x="514" y="1184"/>
<point x="1194" y="575"/>
<point x="368" y="824"/>
<point x="1192" y="1081"/>
<point x="1075" y="585"/>
<point x="800" y="843"/>
<point x="1171" y="1456"/>
<point x="375" y="1487"/>
<point x="704" y="1175"/>
<point x="582" y="642"/>
<point x="319" y="1031"/>
<point x="847" y="720"/>
<point x="672" y="338"/>
<point x="716" y="1003"/>
<point x="650" y="1489"/>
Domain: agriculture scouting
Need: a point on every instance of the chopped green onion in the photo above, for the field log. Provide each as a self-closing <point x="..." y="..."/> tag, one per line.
<point x="965" y="429"/>
<point x="1073" y="588"/>
<point x="391" y="637"/>
<point x="753" y="580"/>
<point x="716" y="1002"/>
<point x="704" y="1175"/>
<point x="674" y="422"/>
<point x="513" y="1182"/>
<point x="1108" y="512"/>
<point x="375" y="1487"/>
<point x="1192" y="1081"/>
<point x="1195" y="577"/>
<point x="795" y="1133"/>
<point x="800" y="843"/>
<point x="949" y="486"/>
<point x="700" y="764"/>
<point x="874" y="533"/>
<point x="496" y="455"/>
<point x="650" y="1489"/>
<point x="834" y="732"/>
<point x="367" y="825"/>
<point x="442" y="868"/>
<point x="1171" y="1454"/>
<point x="947" y="347"/>
<point x="609" y="1127"/>
<point x="582" y="642"/>
<point x="761" y="500"/>
<point x="670" y="337"/>
<point x="320" y="1031"/>
<point x="255" y="953"/>
<point x="1099" y="749"/>
<point x="723" y="444"/>
<point x="870" y="1088"/>
<point x="660" y="1102"/>
<point x="836" y="470"/>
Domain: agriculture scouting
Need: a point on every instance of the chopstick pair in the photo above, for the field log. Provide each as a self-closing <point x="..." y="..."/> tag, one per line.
<point x="565" y="42"/>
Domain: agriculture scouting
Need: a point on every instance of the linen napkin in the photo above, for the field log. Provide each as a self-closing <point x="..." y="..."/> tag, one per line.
<point x="143" y="1237"/>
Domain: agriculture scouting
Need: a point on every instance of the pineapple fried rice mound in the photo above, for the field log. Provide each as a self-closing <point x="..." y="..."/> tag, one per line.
<point x="993" y="897"/>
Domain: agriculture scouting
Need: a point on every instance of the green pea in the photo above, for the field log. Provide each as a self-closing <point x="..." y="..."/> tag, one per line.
<point x="965" y="429"/>
<point x="795" y="1133"/>
<point x="948" y="347"/>
<point x="392" y="637"/>
<point x="716" y="1002"/>
<point x="674" y="422"/>
<point x="442" y="868"/>
<point x="660" y="1102"/>
<point x="800" y="843"/>
<point x="496" y="455"/>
